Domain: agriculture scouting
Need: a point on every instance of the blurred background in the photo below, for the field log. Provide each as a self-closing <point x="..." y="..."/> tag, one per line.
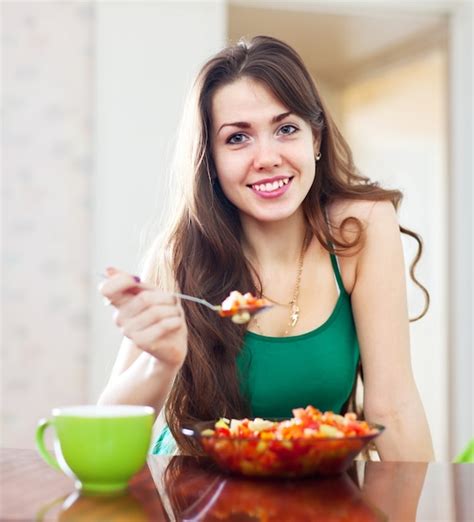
<point x="92" y="93"/>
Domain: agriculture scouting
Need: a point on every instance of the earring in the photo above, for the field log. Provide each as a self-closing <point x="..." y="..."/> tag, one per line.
<point x="318" y="156"/>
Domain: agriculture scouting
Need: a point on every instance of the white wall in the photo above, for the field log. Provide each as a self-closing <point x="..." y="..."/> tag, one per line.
<point x="461" y="226"/>
<point x="46" y="176"/>
<point x="91" y="96"/>
<point x="146" y="55"/>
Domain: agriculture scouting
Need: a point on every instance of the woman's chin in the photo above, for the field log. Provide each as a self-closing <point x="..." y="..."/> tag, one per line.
<point x="271" y="216"/>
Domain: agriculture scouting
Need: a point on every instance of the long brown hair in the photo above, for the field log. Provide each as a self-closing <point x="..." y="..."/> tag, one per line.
<point x="200" y="252"/>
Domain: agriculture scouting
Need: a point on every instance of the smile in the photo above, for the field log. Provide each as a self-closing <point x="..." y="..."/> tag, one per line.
<point x="271" y="188"/>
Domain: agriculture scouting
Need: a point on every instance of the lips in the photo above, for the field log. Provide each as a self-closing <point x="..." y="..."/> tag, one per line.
<point x="270" y="184"/>
<point x="271" y="187"/>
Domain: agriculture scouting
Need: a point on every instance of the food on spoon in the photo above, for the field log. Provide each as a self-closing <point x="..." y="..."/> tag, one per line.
<point x="241" y="317"/>
<point x="239" y="306"/>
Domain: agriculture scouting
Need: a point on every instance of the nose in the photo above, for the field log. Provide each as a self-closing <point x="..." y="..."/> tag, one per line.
<point x="267" y="155"/>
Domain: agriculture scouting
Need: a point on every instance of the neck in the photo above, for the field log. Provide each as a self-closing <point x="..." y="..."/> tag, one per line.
<point x="273" y="243"/>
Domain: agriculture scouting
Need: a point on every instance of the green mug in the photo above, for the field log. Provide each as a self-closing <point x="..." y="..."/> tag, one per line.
<point x="101" y="447"/>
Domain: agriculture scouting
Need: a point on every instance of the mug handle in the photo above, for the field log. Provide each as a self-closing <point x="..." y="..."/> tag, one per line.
<point x="47" y="456"/>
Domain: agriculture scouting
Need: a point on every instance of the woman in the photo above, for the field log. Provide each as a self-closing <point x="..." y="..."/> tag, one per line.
<point x="270" y="202"/>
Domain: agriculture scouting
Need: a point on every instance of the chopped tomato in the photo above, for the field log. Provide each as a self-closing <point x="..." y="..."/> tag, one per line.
<point x="237" y="302"/>
<point x="311" y="440"/>
<point x="307" y="423"/>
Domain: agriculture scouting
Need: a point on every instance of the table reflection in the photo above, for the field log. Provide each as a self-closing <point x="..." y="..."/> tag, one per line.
<point x="76" y="507"/>
<point x="165" y="490"/>
<point x="394" y="488"/>
<point x="196" y="490"/>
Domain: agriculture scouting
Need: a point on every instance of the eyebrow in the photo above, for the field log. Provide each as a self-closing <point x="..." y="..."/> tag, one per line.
<point x="246" y="125"/>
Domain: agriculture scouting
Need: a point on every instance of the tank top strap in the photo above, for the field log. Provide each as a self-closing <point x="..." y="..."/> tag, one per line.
<point x="335" y="262"/>
<point x="337" y="273"/>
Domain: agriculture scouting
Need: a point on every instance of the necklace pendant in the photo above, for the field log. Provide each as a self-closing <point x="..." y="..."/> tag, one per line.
<point x="295" y="314"/>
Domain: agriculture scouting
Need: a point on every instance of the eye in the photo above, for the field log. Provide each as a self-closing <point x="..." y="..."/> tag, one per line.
<point x="236" y="139"/>
<point x="288" y="129"/>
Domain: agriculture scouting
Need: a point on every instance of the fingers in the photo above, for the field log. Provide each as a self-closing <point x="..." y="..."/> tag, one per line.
<point x="166" y="340"/>
<point x="147" y="338"/>
<point x="146" y="298"/>
<point x="146" y="309"/>
<point x="153" y="320"/>
<point x="137" y="311"/>
<point x="147" y="317"/>
<point x="118" y="288"/>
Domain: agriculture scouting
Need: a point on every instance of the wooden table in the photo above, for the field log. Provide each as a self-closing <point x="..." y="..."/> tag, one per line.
<point x="184" y="488"/>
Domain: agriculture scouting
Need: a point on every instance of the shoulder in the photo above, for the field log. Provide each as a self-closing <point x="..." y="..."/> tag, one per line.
<point x="381" y="235"/>
<point x="369" y="213"/>
<point x="375" y="218"/>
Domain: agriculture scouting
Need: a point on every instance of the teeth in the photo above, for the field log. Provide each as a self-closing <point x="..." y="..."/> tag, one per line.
<point x="268" y="187"/>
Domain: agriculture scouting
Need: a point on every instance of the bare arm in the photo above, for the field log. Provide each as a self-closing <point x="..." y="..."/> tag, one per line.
<point x="380" y="311"/>
<point x="138" y="378"/>
<point x="154" y="346"/>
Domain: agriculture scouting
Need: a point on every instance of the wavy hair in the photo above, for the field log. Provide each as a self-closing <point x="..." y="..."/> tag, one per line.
<point x="200" y="251"/>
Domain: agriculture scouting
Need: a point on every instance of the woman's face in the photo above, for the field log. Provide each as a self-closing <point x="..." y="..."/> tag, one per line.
<point x="264" y="155"/>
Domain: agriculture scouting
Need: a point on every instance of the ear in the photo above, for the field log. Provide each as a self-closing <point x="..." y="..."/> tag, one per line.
<point x="316" y="144"/>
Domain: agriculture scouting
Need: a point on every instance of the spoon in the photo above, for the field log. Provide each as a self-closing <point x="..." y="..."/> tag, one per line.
<point x="240" y="308"/>
<point x="234" y="306"/>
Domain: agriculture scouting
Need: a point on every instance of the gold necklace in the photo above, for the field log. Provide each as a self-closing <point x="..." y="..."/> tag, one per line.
<point x="293" y="304"/>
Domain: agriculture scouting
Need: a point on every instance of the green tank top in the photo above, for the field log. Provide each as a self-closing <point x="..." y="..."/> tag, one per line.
<point x="278" y="374"/>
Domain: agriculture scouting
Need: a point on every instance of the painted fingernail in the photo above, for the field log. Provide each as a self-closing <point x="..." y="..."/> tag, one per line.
<point x="137" y="279"/>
